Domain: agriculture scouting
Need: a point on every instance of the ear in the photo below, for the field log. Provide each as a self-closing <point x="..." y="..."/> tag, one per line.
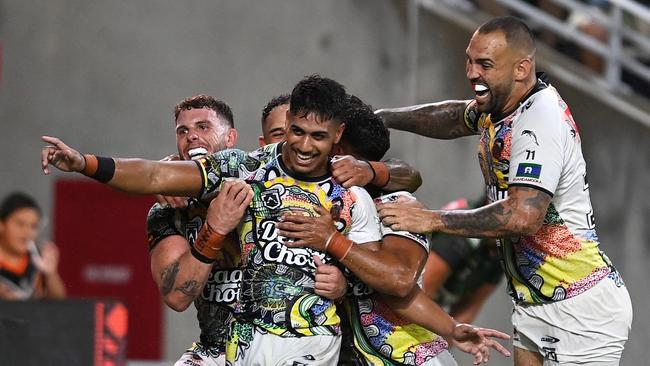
<point x="339" y="133"/>
<point x="260" y="140"/>
<point x="231" y="138"/>
<point x="523" y="68"/>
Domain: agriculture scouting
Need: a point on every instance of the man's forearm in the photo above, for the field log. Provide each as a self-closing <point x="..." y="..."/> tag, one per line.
<point x="370" y="263"/>
<point x="442" y="120"/>
<point x="403" y="177"/>
<point x="513" y="216"/>
<point x="174" y="178"/>
<point x="182" y="281"/>
<point x="54" y="287"/>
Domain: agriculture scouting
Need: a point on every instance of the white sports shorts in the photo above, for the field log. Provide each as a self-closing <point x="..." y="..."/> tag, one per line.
<point x="587" y="329"/>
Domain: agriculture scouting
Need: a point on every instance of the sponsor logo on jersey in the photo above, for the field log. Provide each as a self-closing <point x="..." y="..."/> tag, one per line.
<point x="275" y="250"/>
<point x="223" y="287"/>
<point x="529" y="170"/>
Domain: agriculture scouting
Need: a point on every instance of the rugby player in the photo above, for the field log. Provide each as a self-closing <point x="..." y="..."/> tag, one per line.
<point x="571" y="306"/>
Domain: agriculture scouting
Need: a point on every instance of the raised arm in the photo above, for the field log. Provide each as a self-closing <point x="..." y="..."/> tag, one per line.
<point x="138" y="176"/>
<point x="441" y="120"/>
<point x="522" y="212"/>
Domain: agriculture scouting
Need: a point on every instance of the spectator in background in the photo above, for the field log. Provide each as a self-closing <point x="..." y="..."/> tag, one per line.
<point x="27" y="271"/>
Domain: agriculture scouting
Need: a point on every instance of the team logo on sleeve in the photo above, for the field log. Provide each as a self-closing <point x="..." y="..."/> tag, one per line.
<point x="529" y="170"/>
<point x="530" y="134"/>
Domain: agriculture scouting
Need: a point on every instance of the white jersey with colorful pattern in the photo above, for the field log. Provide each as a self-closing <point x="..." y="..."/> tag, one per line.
<point x="538" y="146"/>
<point x="380" y="335"/>
<point x="277" y="288"/>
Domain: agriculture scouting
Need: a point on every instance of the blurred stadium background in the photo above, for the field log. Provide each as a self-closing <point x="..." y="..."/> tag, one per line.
<point x="104" y="76"/>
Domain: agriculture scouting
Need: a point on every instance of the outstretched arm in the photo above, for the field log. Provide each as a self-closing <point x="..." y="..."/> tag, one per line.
<point x="442" y="120"/>
<point x="522" y="212"/>
<point x="138" y="176"/>
<point x="420" y="309"/>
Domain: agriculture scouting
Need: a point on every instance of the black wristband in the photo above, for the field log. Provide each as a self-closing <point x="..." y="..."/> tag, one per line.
<point x="105" y="169"/>
<point x="200" y="257"/>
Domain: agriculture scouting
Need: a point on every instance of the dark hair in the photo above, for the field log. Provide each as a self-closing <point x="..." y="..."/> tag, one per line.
<point x="15" y="201"/>
<point x="205" y="101"/>
<point x="323" y="97"/>
<point x="275" y="102"/>
<point x="517" y="33"/>
<point x="364" y="132"/>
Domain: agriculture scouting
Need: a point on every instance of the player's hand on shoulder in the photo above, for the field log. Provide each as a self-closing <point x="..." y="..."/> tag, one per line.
<point x="349" y="171"/>
<point x="228" y="208"/>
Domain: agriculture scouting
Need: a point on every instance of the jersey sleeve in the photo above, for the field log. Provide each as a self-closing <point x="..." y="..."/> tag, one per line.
<point x="420" y="239"/>
<point x="365" y="220"/>
<point x="537" y="149"/>
<point x="160" y="224"/>
<point x="216" y="167"/>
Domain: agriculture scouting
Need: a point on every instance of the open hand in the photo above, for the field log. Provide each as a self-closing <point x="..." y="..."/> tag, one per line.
<point x="406" y="216"/>
<point x="478" y="341"/>
<point x="311" y="232"/>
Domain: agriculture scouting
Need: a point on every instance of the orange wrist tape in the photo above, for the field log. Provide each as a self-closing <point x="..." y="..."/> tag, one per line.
<point x="207" y="245"/>
<point x="382" y="175"/>
<point x="91" y="165"/>
<point x="339" y="246"/>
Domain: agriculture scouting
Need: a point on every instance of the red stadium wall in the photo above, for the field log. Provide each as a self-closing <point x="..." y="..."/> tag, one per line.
<point x="102" y="237"/>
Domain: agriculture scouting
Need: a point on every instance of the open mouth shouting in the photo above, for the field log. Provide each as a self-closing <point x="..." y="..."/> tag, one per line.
<point x="197" y="153"/>
<point x="481" y="90"/>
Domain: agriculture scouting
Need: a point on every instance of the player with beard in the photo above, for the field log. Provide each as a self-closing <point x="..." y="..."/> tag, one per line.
<point x="571" y="306"/>
<point x="204" y="125"/>
<point x="282" y="320"/>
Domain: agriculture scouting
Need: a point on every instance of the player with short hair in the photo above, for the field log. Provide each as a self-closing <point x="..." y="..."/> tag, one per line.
<point x="274" y="116"/>
<point x="203" y="126"/>
<point x="531" y="158"/>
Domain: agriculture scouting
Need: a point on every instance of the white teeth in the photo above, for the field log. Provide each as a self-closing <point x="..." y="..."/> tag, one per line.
<point x="304" y="157"/>
<point x="197" y="152"/>
<point x="480" y="88"/>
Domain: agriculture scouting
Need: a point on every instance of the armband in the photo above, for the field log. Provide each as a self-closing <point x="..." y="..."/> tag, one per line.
<point x="338" y="245"/>
<point x="207" y="245"/>
<point x="99" y="168"/>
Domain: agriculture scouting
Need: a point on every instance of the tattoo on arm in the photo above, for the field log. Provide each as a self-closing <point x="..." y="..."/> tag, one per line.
<point x="442" y="120"/>
<point x="522" y="212"/>
<point x="190" y="288"/>
<point x="168" y="278"/>
<point x="403" y="177"/>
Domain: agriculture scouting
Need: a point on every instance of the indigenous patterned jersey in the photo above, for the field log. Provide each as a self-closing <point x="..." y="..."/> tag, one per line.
<point x="538" y="145"/>
<point x="277" y="288"/>
<point x="23" y="279"/>
<point x="381" y="336"/>
<point x="214" y="306"/>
